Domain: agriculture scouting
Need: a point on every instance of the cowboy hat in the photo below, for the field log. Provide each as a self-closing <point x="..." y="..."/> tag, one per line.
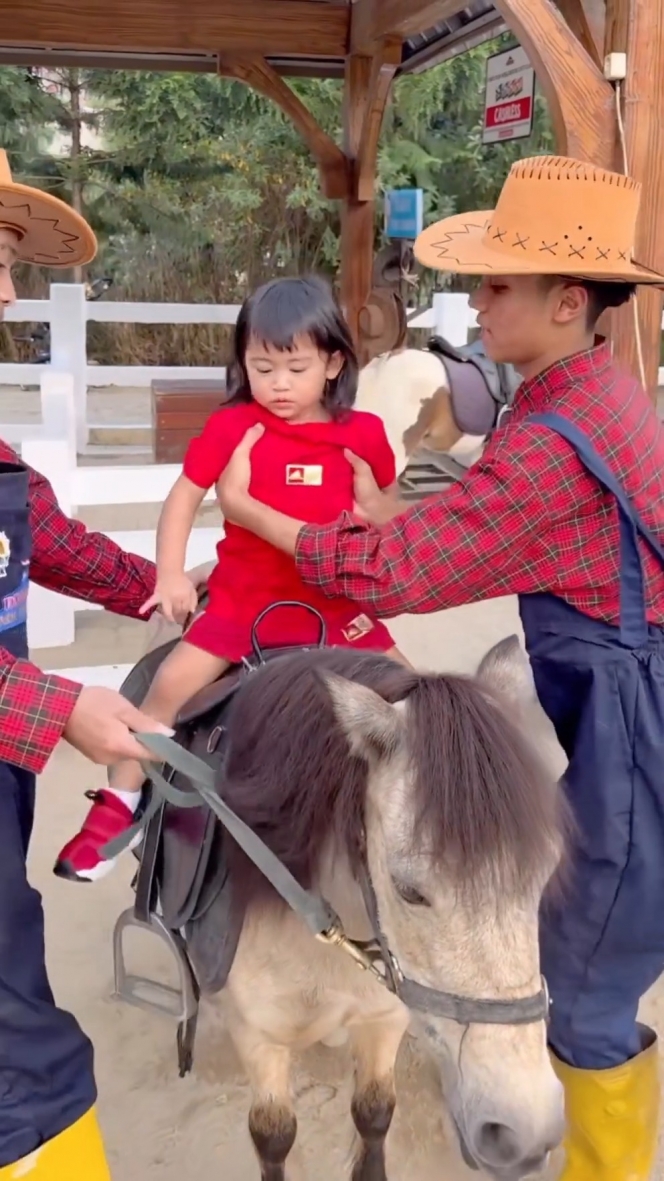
<point x="554" y="216"/>
<point x="50" y="233"/>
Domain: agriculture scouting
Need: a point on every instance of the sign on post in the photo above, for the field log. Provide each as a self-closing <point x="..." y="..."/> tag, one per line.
<point x="404" y="213"/>
<point x="509" y="102"/>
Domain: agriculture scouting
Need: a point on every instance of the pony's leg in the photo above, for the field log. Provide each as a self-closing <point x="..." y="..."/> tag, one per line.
<point x="375" y="1046"/>
<point x="272" y="1122"/>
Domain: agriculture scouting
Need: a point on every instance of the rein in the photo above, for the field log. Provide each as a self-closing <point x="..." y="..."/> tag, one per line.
<point x="322" y="921"/>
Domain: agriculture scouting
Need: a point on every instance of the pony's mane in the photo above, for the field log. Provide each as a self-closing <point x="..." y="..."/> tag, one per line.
<point x="483" y="802"/>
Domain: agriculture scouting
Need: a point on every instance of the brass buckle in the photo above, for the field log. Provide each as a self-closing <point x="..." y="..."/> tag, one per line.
<point x="364" y="957"/>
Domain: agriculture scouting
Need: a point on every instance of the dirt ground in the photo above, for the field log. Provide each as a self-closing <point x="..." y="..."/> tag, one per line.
<point x="156" y="1125"/>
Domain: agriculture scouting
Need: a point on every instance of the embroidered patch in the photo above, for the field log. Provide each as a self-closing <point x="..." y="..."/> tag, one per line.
<point x="14" y="607"/>
<point x="5" y="554"/>
<point x="357" y="628"/>
<point x="308" y="474"/>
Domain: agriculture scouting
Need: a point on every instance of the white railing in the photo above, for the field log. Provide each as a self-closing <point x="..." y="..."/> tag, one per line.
<point x="68" y="313"/>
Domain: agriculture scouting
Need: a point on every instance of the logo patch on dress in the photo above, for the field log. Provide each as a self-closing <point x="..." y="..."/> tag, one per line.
<point x="5" y="554"/>
<point x="309" y="475"/>
<point x="357" y="628"/>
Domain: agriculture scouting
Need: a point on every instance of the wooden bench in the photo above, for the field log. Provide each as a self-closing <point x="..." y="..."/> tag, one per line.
<point x="180" y="410"/>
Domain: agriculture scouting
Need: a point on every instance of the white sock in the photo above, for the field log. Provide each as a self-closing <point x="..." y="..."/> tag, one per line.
<point x="130" y="799"/>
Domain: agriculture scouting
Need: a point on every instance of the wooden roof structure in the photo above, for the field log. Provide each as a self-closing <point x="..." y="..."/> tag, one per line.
<point x="370" y="43"/>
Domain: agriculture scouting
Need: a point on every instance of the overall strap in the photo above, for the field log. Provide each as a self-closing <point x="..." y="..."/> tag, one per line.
<point x="633" y="620"/>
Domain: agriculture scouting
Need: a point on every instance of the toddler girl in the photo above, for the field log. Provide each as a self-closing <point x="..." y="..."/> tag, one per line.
<point x="295" y="373"/>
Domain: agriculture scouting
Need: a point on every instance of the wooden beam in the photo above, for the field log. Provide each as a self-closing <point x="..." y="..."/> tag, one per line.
<point x="383" y="68"/>
<point x="586" y="19"/>
<point x="637" y="28"/>
<point x="580" y="99"/>
<point x="257" y="73"/>
<point x="374" y="20"/>
<point x="251" y="26"/>
<point x="357" y="218"/>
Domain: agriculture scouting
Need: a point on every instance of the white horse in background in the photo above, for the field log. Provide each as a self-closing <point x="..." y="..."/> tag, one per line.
<point x="410" y="391"/>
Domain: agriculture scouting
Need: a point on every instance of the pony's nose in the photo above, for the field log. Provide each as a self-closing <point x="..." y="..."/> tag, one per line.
<point x="497" y="1144"/>
<point x="497" y="1147"/>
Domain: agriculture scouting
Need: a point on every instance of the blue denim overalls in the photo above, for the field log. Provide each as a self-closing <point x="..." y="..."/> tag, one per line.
<point x="603" y="689"/>
<point x="46" y="1079"/>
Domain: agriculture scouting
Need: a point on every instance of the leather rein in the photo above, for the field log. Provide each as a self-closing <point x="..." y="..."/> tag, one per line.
<point x="375" y="956"/>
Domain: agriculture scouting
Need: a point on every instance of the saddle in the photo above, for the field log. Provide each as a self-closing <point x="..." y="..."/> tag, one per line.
<point x="480" y="388"/>
<point x="183" y="890"/>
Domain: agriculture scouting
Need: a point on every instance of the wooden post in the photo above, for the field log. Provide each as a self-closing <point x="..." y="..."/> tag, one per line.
<point x="357" y="217"/>
<point x="367" y="87"/>
<point x="636" y="27"/>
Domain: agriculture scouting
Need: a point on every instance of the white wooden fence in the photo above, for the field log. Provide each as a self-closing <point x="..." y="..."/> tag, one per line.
<point x="68" y="313"/>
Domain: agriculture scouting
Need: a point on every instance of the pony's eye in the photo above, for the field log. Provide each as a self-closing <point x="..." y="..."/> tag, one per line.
<point x="410" y="895"/>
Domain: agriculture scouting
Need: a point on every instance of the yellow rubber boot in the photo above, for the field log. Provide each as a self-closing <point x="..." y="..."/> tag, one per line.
<point x="77" y="1154"/>
<point x="612" y="1118"/>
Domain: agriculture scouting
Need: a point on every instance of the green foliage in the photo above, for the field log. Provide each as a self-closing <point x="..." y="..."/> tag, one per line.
<point x="199" y="188"/>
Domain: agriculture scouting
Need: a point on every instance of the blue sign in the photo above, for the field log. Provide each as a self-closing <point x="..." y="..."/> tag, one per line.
<point x="404" y="213"/>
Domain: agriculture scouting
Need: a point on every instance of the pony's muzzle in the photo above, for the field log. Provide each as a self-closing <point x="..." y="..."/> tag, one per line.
<point x="510" y="1153"/>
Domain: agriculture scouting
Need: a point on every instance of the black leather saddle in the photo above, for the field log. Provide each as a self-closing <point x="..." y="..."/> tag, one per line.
<point x="183" y="890"/>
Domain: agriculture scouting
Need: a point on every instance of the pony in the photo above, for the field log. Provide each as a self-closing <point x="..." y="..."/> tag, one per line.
<point x="420" y="812"/>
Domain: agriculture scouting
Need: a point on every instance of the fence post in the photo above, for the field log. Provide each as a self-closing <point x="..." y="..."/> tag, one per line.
<point x="451" y="317"/>
<point x="69" y="347"/>
<point x="51" y="618"/>
<point x="59" y="413"/>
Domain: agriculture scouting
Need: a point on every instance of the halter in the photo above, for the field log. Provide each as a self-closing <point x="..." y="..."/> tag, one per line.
<point x="375" y="956"/>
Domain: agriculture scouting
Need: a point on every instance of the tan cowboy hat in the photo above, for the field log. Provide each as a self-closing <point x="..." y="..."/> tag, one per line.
<point x="50" y="233"/>
<point x="555" y="216"/>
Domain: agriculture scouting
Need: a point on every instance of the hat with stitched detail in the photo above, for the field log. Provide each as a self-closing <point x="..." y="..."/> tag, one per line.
<point x="49" y="232"/>
<point x="554" y="216"/>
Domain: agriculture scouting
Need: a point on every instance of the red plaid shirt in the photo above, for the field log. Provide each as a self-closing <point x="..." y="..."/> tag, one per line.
<point x="527" y="518"/>
<point x="34" y="708"/>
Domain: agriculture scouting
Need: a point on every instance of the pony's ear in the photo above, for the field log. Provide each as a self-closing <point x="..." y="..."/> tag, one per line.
<point x="506" y="671"/>
<point x="373" y="726"/>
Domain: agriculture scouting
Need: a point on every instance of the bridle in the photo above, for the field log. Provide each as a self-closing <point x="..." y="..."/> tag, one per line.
<point x="374" y="957"/>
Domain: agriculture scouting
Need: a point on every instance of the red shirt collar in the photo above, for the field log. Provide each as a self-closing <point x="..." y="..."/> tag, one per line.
<point x="334" y="431"/>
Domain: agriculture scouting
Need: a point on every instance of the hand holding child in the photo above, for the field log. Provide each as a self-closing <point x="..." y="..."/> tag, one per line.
<point x="233" y="485"/>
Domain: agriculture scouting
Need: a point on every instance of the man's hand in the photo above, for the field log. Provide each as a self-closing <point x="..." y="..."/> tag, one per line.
<point x="371" y="504"/>
<point x="233" y="486"/>
<point x="175" y="596"/>
<point x="101" y="723"/>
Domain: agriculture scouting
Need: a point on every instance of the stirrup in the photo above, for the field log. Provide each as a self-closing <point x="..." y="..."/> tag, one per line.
<point x="153" y="996"/>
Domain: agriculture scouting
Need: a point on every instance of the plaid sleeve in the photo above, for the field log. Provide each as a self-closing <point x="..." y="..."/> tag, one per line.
<point x="34" y="710"/>
<point x="476" y="540"/>
<point x="68" y="558"/>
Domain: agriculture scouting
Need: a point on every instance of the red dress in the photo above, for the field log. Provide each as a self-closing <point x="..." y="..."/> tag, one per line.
<point x="301" y="470"/>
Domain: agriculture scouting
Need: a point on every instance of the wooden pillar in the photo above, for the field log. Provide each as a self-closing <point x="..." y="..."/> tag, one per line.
<point x="636" y="27"/>
<point x="367" y="88"/>
<point x="357" y="217"/>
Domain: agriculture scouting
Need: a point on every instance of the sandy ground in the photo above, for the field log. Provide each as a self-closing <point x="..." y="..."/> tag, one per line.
<point x="156" y="1125"/>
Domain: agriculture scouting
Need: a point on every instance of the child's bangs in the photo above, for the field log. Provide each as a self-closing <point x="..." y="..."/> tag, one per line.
<point x="282" y="315"/>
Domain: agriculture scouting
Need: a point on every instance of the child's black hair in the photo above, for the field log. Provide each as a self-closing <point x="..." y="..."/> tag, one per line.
<point x="280" y="312"/>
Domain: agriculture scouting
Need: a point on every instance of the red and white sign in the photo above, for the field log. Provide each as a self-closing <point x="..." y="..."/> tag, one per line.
<point x="509" y="103"/>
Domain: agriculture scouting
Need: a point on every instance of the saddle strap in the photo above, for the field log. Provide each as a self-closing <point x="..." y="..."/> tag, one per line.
<point x="319" y="917"/>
